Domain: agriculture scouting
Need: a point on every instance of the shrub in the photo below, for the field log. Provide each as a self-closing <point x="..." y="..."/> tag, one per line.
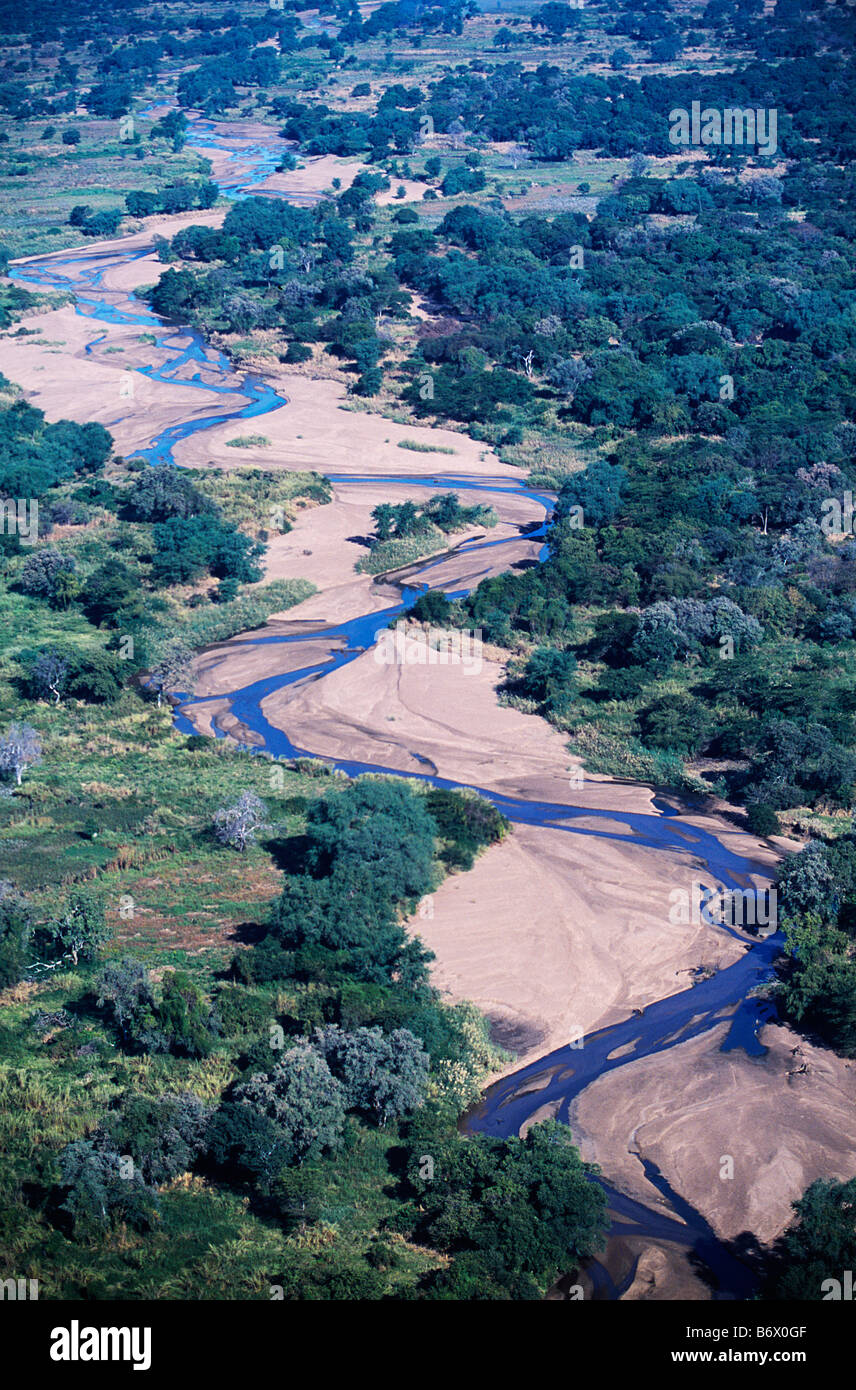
<point x="46" y="574"/>
<point x="180" y="1022"/>
<point x="54" y="672"/>
<point x="16" y="926"/>
<point x="163" y="1135"/>
<point x="762" y="819"/>
<point x="297" y="352"/>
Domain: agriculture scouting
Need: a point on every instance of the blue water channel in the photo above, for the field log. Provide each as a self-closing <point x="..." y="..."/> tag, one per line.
<point x="727" y="998"/>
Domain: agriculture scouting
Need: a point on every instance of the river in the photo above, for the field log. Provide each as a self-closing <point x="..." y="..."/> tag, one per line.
<point x="556" y="1079"/>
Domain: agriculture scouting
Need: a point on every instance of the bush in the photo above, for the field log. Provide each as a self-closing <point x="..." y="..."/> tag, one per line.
<point x="762" y="819"/>
<point x="385" y="1074"/>
<point x="432" y="607"/>
<point x="46" y="574"/>
<point x="297" y="352"/>
<point x="180" y="1022"/>
<point x="549" y="677"/>
<point x="466" y="823"/>
<point x="52" y="673"/>
<point x="163" y="1135"/>
<point x="247" y="1144"/>
<point x="163" y="492"/>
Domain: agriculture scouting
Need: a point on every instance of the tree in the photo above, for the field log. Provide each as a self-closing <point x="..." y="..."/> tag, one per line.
<point x="42" y="573"/>
<point x="173" y="126"/>
<point x="112" y="593"/>
<point x="302" y="1098"/>
<point x="762" y="819"/>
<point x="237" y="825"/>
<point x="346" y="923"/>
<point x="677" y="721"/>
<point x="383" y="517"/>
<point x="162" y="492"/>
<point x="98" y="1194"/>
<point x="180" y="1022"/>
<point x="820" y="1245"/>
<point x="185" y="1016"/>
<point x="174" y="669"/>
<point x="103" y="224"/>
<point x="142" y="204"/>
<point x="242" y="1139"/>
<point x="432" y="607"/>
<point x="817" y="881"/>
<point x="818" y="988"/>
<point x="124" y="991"/>
<point x="48" y="675"/>
<point x="110" y="99"/>
<point x="658" y="639"/>
<point x="596" y="490"/>
<point x="20" y="748"/>
<point x="377" y="825"/>
<point x="383" y="1073"/>
<point x="527" y="1206"/>
<point x="556" y="18"/>
<point x="83" y="448"/>
<point x="78" y="931"/>
<point x="16" y="928"/>
<point x="549" y="676"/>
<point x="187" y="546"/>
<point x="164" y="1135"/>
<point x="54" y="672"/>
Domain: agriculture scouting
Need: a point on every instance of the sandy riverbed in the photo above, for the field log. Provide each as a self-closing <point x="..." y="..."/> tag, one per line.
<point x="784" y="1120"/>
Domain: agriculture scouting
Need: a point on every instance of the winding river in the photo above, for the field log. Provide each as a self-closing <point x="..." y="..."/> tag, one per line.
<point x="555" y="1080"/>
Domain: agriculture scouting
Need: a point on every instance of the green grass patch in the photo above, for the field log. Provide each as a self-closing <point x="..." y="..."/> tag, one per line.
<point x="418" y="448"/>
<point x="248" y="441"/>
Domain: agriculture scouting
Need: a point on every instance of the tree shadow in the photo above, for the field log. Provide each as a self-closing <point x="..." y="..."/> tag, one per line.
<point x="249" y="933"/>
<point x="289" y="855"/>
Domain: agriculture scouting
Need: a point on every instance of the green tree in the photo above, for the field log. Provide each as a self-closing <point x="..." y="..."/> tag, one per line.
<point x="385" y="1074"/>
<point x="163" y="1134"/>
<point x="549" y="676"/>
<point x="819" y="1245"/>
<point x="527" y="1206"/>
<point x="303" y="1099"/>
<point x="98" y="1193"/>
<point x="78" y="931"/>
<point x="16" y="930"/>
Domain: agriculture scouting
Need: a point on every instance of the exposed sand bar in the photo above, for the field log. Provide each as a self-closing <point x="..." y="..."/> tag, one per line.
<point x="784" y="1120"/>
